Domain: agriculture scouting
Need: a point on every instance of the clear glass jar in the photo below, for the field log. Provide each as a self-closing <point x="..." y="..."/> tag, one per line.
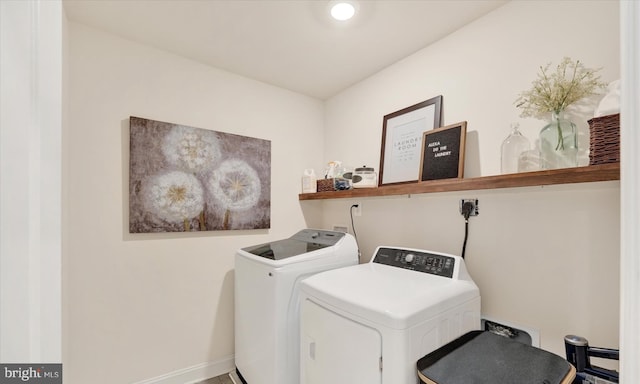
<point x="529" y="161"/>
<point x="512" y="147"/>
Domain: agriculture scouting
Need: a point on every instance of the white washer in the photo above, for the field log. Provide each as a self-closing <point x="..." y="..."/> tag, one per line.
<point x="267" y="279"/>
<point x="372" y="322"/>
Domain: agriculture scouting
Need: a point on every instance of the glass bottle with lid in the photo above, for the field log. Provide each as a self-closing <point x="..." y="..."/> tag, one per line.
<point x="511" y="149"/>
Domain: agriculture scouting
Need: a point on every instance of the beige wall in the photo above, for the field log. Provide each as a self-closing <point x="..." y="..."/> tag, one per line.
<point x="139" y="306"/>
<point x="544" y="257"/>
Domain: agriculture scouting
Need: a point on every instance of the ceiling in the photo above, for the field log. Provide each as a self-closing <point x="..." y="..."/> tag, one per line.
<point x="292" y="44"/>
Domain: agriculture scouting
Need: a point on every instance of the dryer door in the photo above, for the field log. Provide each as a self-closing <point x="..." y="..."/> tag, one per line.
<point x="337" y="350"/>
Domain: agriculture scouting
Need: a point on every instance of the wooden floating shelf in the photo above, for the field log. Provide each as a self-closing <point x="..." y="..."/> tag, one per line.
<point x="592" y="173"/>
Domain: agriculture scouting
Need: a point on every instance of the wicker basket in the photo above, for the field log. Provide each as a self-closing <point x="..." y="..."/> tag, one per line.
<point x="325" y="185"/>
<point x="604" y="142"/>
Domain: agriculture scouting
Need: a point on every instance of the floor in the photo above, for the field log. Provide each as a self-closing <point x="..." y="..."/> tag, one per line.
<point x="222" y="379"/>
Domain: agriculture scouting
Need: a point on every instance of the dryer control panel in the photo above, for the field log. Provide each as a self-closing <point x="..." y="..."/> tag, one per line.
<point x="420" y="261"/>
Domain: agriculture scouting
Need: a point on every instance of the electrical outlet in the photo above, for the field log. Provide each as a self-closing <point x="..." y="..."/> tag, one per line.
<point x="357" y="209"/>
<point x="474" y="203"/>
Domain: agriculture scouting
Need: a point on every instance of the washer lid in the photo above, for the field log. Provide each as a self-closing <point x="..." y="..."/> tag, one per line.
<point x="305" y="241"/>
<point x="393" y="297"/>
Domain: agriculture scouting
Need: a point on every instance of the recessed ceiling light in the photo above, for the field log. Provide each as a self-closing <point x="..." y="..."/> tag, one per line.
<point x="342" y="11"/>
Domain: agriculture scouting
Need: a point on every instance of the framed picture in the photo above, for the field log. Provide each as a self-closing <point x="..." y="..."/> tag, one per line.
<point x="443" y="152"/>
<point x="188" y="179"/>
<point x="402" y="133"/>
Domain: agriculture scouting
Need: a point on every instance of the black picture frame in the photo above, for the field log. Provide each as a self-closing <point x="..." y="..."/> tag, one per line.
<point x="443" y="153"/>
<point x="402" y="134"/>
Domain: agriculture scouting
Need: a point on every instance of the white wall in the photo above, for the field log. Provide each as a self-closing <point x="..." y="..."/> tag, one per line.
<point x="544" y="257"/>
<point x="140" y="306"/>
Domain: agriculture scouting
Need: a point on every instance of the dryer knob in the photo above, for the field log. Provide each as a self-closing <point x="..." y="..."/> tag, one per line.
<point x="409" y="257"/>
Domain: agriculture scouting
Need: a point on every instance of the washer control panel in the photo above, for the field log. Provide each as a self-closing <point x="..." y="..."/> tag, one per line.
<point x="421" y="261"/>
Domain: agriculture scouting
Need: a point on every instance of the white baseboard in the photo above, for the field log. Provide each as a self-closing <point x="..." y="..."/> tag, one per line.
<point x="234" y="377"/>
<point x="195" y="373"/>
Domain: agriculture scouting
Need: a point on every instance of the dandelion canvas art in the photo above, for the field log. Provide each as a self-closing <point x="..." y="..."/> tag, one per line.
<point x="184" y="179"/>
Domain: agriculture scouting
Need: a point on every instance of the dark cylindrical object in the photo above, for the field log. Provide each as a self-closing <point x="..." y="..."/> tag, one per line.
<point x="576" y="348"/>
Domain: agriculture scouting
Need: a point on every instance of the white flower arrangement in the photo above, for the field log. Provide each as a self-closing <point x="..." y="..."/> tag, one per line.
<point x="235" y="184"/>
<point x="174" y="196"/>
<point x="554" y="92"/>
<point x="191" y="150"/>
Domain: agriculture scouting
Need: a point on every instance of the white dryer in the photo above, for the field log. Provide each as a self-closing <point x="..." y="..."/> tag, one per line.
<point x="267" y="280"/>
<point x="372" y="322"/>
